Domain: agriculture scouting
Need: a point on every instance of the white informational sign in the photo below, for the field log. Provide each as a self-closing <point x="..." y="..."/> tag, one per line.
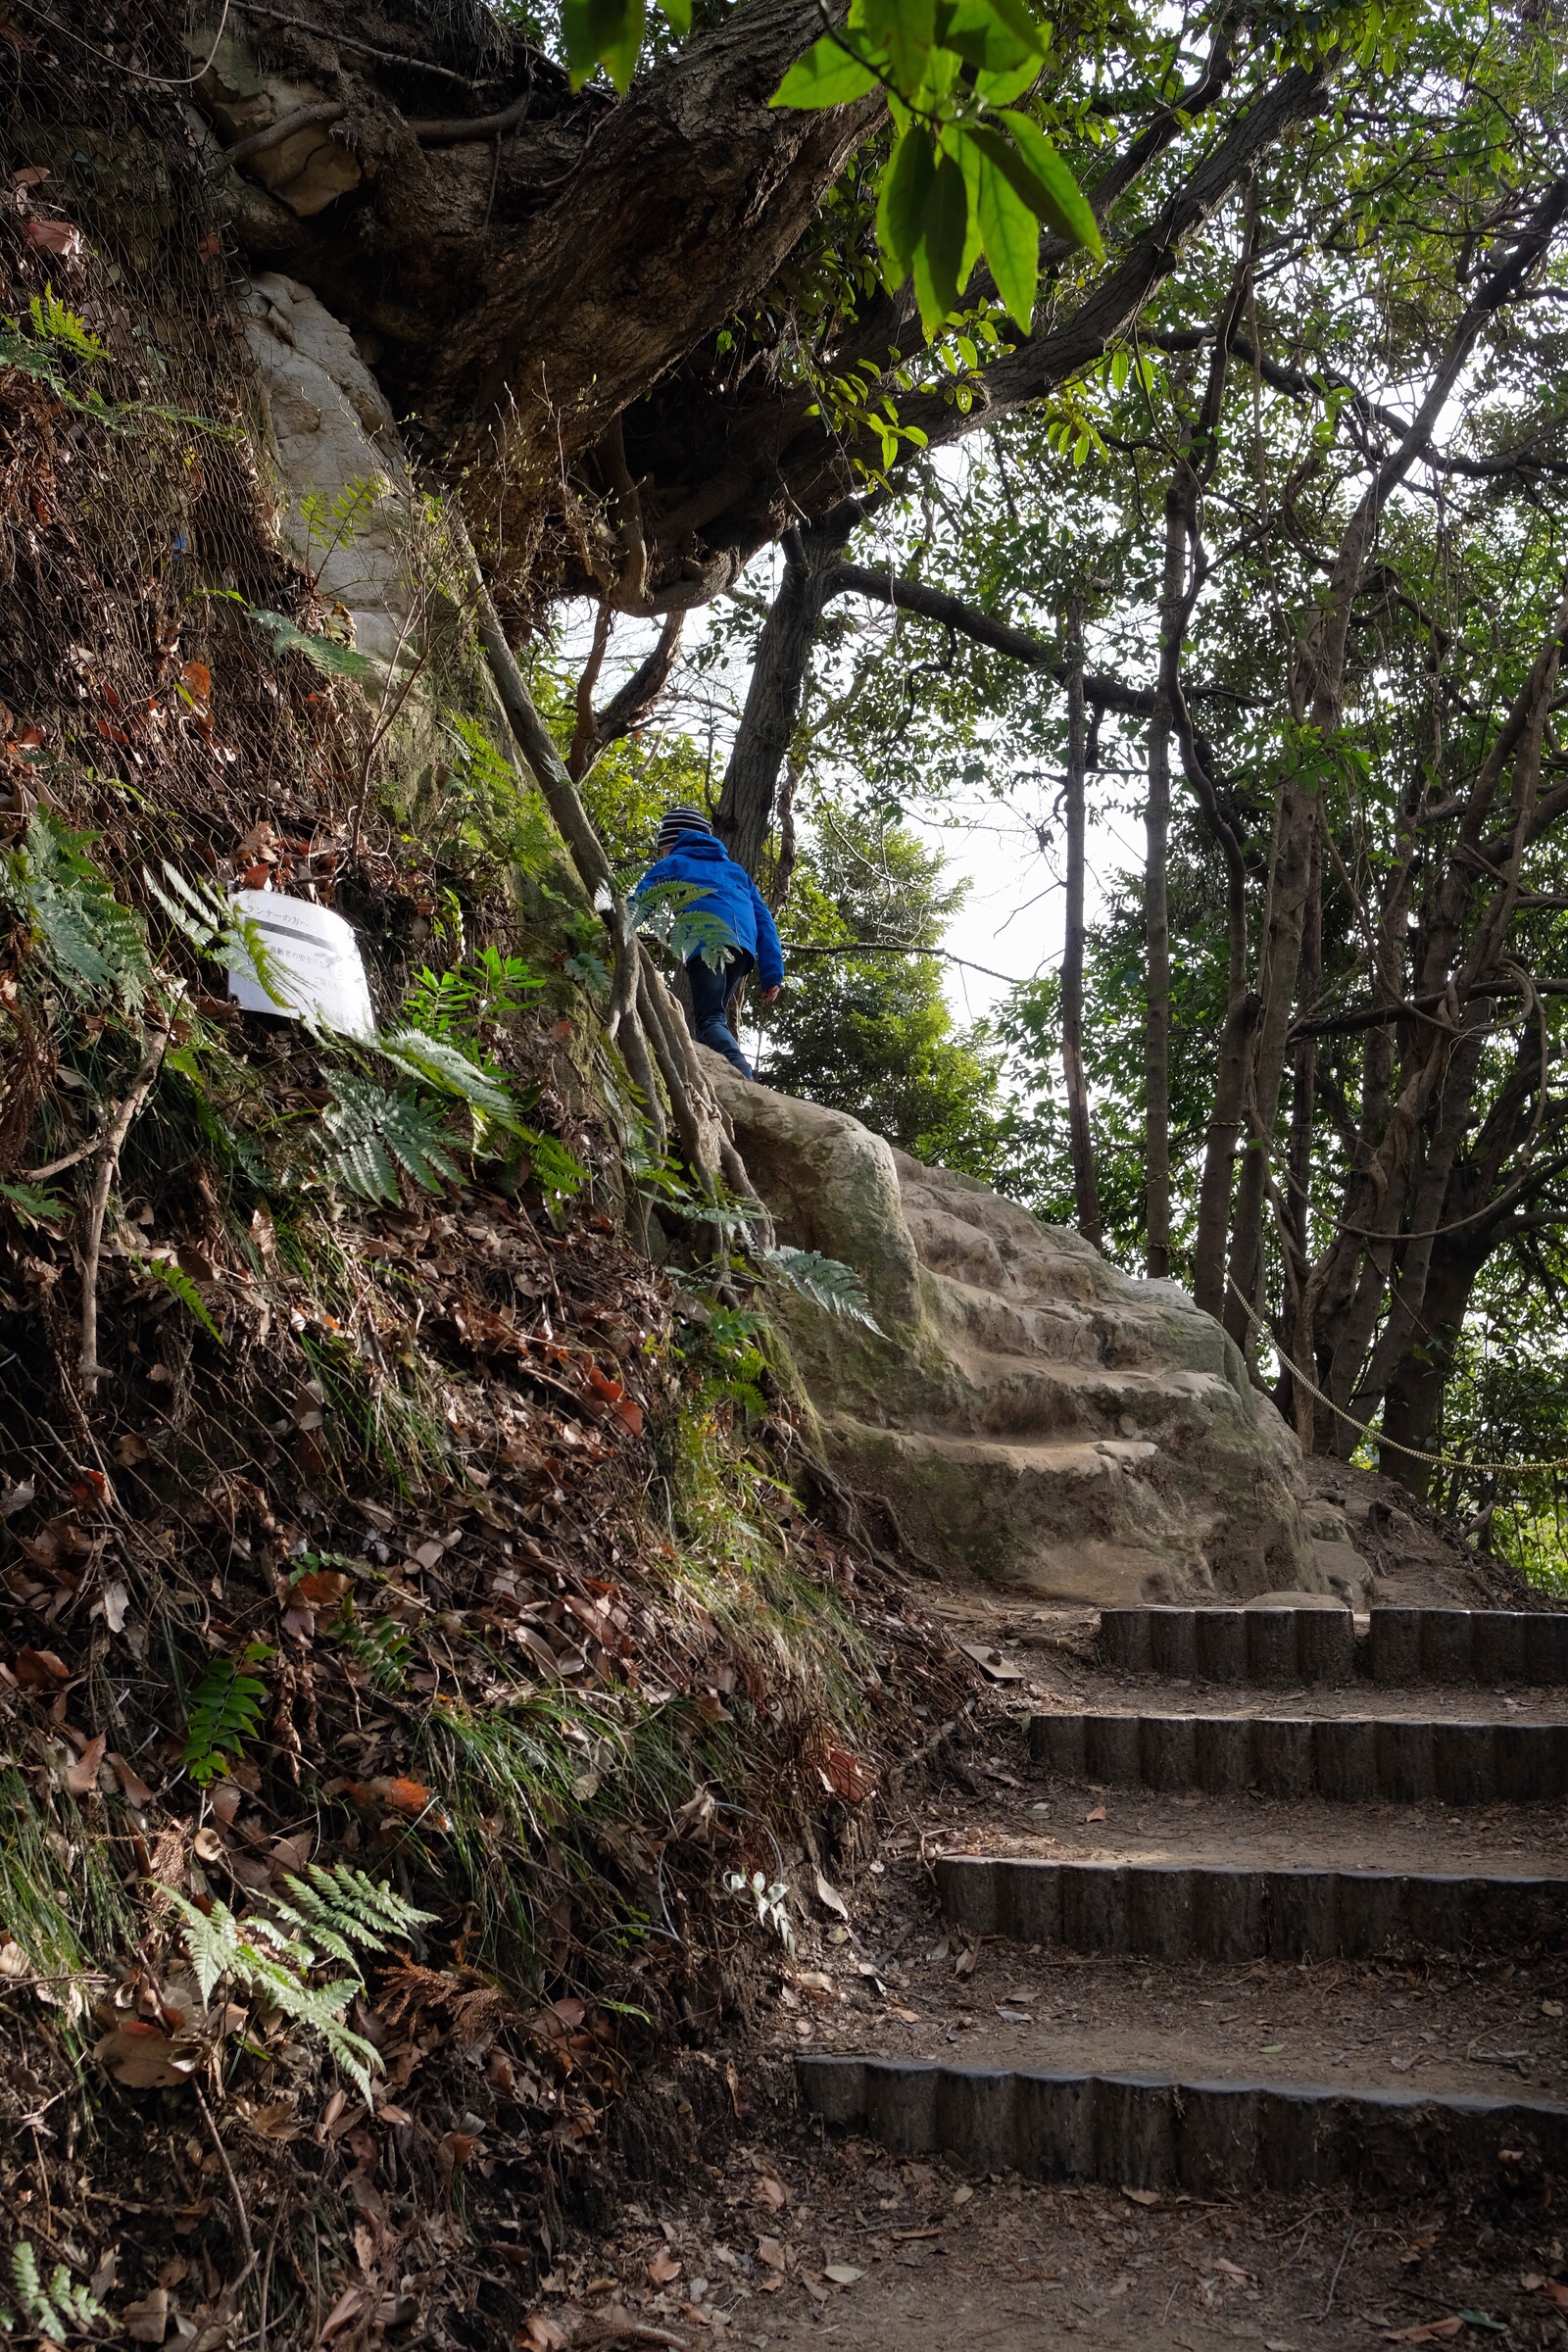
<point x="315" y="964"/>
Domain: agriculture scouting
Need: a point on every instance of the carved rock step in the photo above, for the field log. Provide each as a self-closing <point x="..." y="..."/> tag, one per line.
<point x="1172" y="1911"/>
<point x="1142" y="2132"/>
<point x="1321" y="1645"/>
<point x="1349" y="1759"/>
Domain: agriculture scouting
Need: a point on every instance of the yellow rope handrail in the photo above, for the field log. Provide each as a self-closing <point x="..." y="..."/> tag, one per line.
<point x="1439" y="1461"/>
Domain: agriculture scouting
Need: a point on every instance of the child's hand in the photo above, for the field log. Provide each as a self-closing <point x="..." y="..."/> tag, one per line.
<point x="768" y="994"/>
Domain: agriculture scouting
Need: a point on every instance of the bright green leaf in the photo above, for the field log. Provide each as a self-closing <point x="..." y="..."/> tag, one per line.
<point x="828" y="75"/>
<point x="601" y="32"/>
<point x="1012" y="237"/>
<point x="940" y="253"/>
<point x="901" y="205"/>
<point x="679" y="13"/>
<point x="1060" y="202"/>
<point x="984" y="37"/>
<point x="904" y="28"/>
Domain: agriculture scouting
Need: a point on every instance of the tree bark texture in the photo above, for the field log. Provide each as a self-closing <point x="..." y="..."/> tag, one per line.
<point x="539" y="284"/>
<point x="1086" y="1193"/>
<point x="773" y="697"/>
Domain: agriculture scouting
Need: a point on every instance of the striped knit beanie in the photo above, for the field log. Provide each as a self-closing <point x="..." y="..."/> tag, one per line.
<point x="676" y="823"/>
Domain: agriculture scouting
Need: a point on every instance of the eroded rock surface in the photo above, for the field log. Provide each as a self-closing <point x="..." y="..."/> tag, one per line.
<point x="1031" y="1413"/>
<point x="335" y="438"/>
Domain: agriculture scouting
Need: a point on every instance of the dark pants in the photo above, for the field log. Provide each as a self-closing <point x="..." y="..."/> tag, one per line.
<point x="711" y="994"/>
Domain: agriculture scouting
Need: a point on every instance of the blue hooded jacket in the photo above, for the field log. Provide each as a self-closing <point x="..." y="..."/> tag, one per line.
<point x="730" y="893"/>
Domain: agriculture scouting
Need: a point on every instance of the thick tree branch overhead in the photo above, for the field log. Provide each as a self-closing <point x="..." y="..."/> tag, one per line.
<point x="551" y="302"/>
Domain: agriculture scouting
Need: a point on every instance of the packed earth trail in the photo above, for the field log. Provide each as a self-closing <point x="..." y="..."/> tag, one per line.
<point x="1213" y="1992"/>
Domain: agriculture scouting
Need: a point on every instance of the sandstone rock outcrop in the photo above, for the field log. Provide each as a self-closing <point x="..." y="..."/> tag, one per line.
<point x="1032" y="1414"/>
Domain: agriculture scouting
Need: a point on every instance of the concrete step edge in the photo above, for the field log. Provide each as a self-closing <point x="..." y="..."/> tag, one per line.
<point x="1346" y="1760"/>
<point x="1146" y="2131"/>
<point x="1231" y="1645"/>
<point x="1217" y="1911"/>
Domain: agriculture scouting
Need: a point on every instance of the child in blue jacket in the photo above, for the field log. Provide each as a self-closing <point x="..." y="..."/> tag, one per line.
<point x="688" y="850"/>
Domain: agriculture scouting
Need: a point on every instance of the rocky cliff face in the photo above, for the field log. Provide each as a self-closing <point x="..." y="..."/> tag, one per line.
<point x="1031" y="1413"/>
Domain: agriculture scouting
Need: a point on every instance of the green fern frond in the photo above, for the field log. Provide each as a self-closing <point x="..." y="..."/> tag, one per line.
<point x="32" y="1206"/>
<point x="174" y="1277"/>
<point x="59" y="2309"/>
<point x="826" y="1281"/>
<point x="52" y="323"/>
<point x="437" y="1062"/>
<point x="556" y="1169"/>
<point x="342" y="1907"/>
<point x="674" y="913"/>
<point x="225" y="1712"/>
<point x="220" y="1947"/>
<point x="335" y="659"/>
<point x="370" y="1128"/>
<point x="74" y="923"/>
<point x="216" y="929"/>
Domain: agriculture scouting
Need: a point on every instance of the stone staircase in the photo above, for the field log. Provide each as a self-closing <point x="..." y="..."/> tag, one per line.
<point x="1386" y="1736"/>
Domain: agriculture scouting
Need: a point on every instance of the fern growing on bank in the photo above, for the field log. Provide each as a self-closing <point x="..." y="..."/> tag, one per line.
<point x="270" y="1960"/>
<point x="826" y="1281"/>
<point x="59" y="2310"/>
<point x="72" y="919"/>
<point x="374" y="1132"/>
<point x="225" y="1712"/>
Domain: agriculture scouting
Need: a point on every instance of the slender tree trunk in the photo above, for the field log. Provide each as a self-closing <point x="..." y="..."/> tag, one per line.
<point x="1299" y="1338"/>
<point x="1081" y="1139"/>
<point x="1413" y="1409"/>
<point x="745" y="811"/>
<point x="1157" y="913"/>
<point x="1318" y="696"/>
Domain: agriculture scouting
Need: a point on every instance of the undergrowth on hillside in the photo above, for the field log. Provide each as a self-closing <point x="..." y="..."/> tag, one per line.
<point x="410" y="1633"/>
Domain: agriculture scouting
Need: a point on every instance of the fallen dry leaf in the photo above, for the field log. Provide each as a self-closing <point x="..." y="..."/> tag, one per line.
<point x="769" y="2250"/>
<point x="830" y="1897"/>
<point x="408" y="1797"/>
<point x="67" y="242"/>
<point x="1232" y="2269"/>
<point x="39" y="1669"/>
<point x="847" y="1775"/>
<point x="842" y="2273"/>
<point x="148" y="2320"/>
<point x="664" y="2269"/>
<point x="771" y="2191"/>
<point x="116" y="1602"/>
<point x="347" y="2307"/>
<point x="14" y="1961"/>
<point x="1429" y="2331"/>
<point x="143" y="2058"/>
<point x="1150" y="2196"/>
<point x="1095" y="1813"/>
<point x="964" y="1966"/>
<point x="276" y="2121"/>
<point x="81" y="1777"/>
<point x="321" y="1588"/>
<point x="541" y="2334"/>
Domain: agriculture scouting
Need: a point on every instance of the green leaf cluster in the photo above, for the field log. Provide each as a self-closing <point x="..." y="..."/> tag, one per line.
<point x="970" y="172"/>
<point x="175" y="1278"/>
<point x="609" y="33"/>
